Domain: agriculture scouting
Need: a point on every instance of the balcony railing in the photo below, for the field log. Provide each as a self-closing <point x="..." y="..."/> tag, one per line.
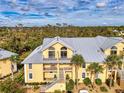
<point x="48" y="59"/>
<point x="65" y="59"/>
<point x="66" y="68"/>
<point x="50" y="68"/>
<point x="56" y="58"/>
<point x="55" y="68"/>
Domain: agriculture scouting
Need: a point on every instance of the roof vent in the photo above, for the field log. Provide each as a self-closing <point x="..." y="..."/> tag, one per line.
<point x="57" y="37"/>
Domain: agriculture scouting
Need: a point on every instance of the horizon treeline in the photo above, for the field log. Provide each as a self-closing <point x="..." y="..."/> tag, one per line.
<point x="22" y="39"/>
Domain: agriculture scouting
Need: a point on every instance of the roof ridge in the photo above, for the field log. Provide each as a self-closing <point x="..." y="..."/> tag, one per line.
<point x="56" y="39"/>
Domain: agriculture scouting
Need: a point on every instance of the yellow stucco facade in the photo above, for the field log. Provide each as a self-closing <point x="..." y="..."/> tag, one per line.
<point x="120" y="49"/>
<point x="58" y="47"/>
<point x="47" y="72"/>
<point x="5" y="67"/>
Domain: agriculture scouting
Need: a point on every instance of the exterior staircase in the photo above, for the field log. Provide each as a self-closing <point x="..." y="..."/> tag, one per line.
<point x="45" y="87"/>
<point x="61" y="74"/>
<point x="55" y="81"/>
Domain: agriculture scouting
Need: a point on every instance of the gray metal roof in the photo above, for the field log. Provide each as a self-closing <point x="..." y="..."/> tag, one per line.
<point x="107" y="42"/>
<point x="34" y="57"/>
<point x="5" y="54"/>
<point x="50" y="41"/>
<point x="90" y="48"/>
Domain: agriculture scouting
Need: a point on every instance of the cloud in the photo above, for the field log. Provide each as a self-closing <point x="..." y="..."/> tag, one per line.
<point x="101" y="5"/>
<point x="36" y="12"/>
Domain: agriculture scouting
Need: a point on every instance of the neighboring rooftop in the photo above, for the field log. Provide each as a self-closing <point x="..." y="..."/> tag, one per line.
<point x="5" y="54"/>
<point x="89" y="47"/>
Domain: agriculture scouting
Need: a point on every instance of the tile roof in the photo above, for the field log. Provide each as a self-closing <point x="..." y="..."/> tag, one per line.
<point x="89" y="47"/>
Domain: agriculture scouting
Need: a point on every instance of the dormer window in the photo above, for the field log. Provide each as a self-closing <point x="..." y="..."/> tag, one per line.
<point x="63" y="52"/>
<point x="114" y="50"/>
<point x="51" y="52"/>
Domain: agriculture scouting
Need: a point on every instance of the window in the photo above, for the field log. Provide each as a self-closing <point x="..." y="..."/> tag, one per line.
<point x="51" y="52"/>
<point x="84" y="65"/>
<point x="30" y="66"/>
<point x="114" y="50"/>
<point x="63" y="52"/>
<point x="83" y="75"/>
<point x="30" y="76"/>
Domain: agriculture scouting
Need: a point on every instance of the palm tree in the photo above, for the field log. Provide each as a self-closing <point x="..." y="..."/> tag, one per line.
<point x="90" y="70"/>
<point x="113" y="62"/>
<point x="77" y="60"/>
<point x="13" y="58"/>
<point x="94" y="68"/>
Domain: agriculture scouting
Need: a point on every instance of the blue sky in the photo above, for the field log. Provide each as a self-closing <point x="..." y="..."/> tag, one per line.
<point x="74" y="12"/>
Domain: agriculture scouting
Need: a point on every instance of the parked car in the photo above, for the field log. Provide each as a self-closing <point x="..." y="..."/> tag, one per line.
<point x="83" y="91"/>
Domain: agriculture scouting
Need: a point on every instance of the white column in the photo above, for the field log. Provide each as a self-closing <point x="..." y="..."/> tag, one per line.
<point x="58" y="64"/>
<point x="25" y="73"/>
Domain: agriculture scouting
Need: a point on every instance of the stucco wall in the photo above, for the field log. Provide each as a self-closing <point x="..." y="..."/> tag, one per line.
<point x="5" y="67"/>
<point x="119" y="46"/>
<point x="58" y="47"/>
<point x="37" y="72"/>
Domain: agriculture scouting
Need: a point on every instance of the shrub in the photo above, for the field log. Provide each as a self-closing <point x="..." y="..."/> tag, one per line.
<point x="108" y="82"/>
<point x="37" y="83"/>
<point x="70" y="85"/>
<point x="98" y="81"/>
<point x="90" y="89"/>
<point x="9" y="86"/>
<point x="57" y="91"/>
<point x="20" y="78"/>
<point x="36" y="87"/>
<point x="87" y="81"/>
<point x="69" y="92"/>
<point x="103" y="89"/>
<point x="67" y="77"/>
<point x="55" y="76"/>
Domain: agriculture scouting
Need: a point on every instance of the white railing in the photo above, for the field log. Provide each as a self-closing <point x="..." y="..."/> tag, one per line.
<point x="50" y="85"/>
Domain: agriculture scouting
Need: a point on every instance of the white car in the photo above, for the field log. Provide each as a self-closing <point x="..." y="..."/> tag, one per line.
<point x="83" y="91"/>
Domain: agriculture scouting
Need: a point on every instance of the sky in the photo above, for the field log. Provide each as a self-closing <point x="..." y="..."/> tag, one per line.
<point x="72" y="12"/>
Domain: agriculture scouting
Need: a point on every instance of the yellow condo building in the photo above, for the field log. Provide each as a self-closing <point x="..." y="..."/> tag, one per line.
<point x="6" y="65"/>
<point x="51" y="62"/>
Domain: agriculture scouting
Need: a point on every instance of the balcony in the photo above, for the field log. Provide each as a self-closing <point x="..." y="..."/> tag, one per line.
<point x="54" y="60"/>
<point x="65" y="59"/>
<point x="55" y="69"/>
<point x="50" y="68"/>
<point x="66" y="68"/>
<point x="48" y="59"/>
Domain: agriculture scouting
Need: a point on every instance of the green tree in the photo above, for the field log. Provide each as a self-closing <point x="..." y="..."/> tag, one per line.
<point x="70" y="85"/>
<point x="9" y="86"/>
<point x="94" y="68"/>
<point x="57" y="91"/>
<point x="77" y="60"/>
<point x="113" y="62"/>
<point x="87" y="81"/>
